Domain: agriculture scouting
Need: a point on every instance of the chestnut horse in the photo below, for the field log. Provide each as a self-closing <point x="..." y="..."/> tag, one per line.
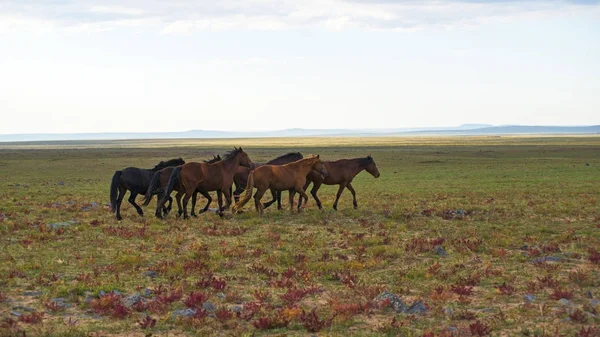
<point x="240" y="179"/>
<point x="341" y="172"/>
<point x="291" y="177"/>
<point x="135" y="180"/>
<point x="159" y="182"/>
<point x="207" y="177"/>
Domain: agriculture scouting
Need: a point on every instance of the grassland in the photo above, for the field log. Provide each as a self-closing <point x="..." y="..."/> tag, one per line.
<point x="518" y="217"/>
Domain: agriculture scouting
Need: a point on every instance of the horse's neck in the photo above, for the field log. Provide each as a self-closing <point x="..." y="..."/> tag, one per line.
<point x="355" y="167"/>
<point x="305" y="167"/>
<point x="231" y="165"/>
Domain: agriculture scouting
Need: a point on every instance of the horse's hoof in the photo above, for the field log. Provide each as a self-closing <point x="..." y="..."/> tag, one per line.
<point x="355" y="207"/>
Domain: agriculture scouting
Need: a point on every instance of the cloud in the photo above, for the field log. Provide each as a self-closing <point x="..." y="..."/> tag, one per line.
<point x="187" y="16"/>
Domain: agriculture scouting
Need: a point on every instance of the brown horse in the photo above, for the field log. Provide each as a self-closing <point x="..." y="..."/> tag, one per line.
<point x="208" y="177"/>
<point x="291" y="177"/>
<point x="240" y="179"/>
<point x="341" y="172"/>
<point x="159" y="182"/>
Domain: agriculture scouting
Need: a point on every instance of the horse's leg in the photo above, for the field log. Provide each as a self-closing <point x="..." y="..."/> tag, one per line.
<point x="279" y="200"/>
<point x="292" y="193"/>
<point x="300" y="190"/>
<point x="300" y="196"/>
<point x="131" y="200"/>
<point x="257" y="196"/>
<point x="351" y="189"/>
<point x="227" y="194"/>
<point x="186" y="199"/>
<point x="209" y="200"/>
<point x="168" y="209"/>
<point x="220" y="202"/>
<point x="313" y="191"/>
<point x="239" y="189"/>
<point x="122" y="191"/>
<point x="269" y="203"/>
<point x="194" y="197"/>
<point x="338" y="195"/>
<point x="178" y="197"/>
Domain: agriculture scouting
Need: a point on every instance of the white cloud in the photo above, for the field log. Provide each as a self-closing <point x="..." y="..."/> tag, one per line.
<point x="116" y="10"/>
<point x="187" y="16"/>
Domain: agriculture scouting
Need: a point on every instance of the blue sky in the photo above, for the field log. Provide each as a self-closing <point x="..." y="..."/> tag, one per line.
<point x="105" y="66"/>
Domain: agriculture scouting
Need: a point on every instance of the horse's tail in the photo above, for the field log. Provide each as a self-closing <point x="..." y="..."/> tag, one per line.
<point x="152" y="188"/>
<point x="114" y="190"/>
<point x="173" y="180"/>
<point x="247" y="193"/>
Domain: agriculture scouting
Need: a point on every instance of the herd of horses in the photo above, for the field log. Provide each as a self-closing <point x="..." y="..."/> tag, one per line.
<point x="290" y="172"/>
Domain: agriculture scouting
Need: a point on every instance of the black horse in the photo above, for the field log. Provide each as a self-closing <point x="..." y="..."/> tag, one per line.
<point x="158" y="184"/>
<point x="135" y="180"/>
<point x="240" y="178"/>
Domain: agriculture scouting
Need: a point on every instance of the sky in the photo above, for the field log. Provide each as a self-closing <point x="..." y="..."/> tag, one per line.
<point x="244" y="65"/>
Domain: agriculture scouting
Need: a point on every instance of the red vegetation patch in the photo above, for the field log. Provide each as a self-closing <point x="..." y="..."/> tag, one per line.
<point x="195" y="300"/>
<point x="293" y="296"/>
<point x="33" y="318"/>
<point x="578" y="316"/>
<point x="462" y="290"/>
<point x="506" y="289"/>
<point x="312" y="323"/>
<point x="223" y="315"/>
<point x="558" y="293"/>
<point x="591" y="331"/>
<point x="479" y="329"/>
<point x="594" y="256"/>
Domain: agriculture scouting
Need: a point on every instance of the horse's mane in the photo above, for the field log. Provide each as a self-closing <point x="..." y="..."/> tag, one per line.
<point x="231" y="154"/>
<point x="168" y="163"/>
<point x="213" y="160"/>
<point x="294" y="155"/>
<point x="365" y="161"/>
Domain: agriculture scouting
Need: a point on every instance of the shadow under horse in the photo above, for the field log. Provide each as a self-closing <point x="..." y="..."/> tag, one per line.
<point x="240" y="179"/>
<point x="135" y="180"/>
<point x="159" y="183"/>
<point x="208" y="177"/>
<point x="290" y="177"/>
<point x="341" y="172"/>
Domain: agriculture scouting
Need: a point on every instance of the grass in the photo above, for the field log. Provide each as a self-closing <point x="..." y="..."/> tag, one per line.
<point x="503" y="208"/>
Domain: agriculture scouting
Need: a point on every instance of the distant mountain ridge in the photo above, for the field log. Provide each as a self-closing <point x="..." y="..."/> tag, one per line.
<point x="465" y="129"/>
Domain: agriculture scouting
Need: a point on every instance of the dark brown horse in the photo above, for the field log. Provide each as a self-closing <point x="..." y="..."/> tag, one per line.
<point x="159" y="182"/>
<point x="240" y="179"/>
<point x="290" y="177"/>
<point x="135" y="180"/>
<point x="341" y="172"/>
<point x="208" y="177"/>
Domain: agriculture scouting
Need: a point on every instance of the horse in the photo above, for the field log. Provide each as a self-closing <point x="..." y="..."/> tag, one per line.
<point x="208" y="177"/>
<point x="159" y="182"/>
<point x="291" y="177"/>
<point x="341" y="172"/>
<point x="135" y="180"/>
<point x="240" y="179"/>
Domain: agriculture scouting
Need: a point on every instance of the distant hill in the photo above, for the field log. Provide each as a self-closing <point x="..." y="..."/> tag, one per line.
<point x="521" y="129"/>
<point x="465" y="129"/>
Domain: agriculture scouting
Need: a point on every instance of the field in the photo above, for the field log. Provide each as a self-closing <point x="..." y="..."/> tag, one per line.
<point x="478" y="236"/>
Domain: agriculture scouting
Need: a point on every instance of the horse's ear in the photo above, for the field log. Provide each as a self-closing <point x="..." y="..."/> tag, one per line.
<point x="318" y="156"/>
<point x="241" y="149"/>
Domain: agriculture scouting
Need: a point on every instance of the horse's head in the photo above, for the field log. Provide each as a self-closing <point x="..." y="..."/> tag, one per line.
<point x="371" y="167"/>
<point x="319" y="166"/>
<point x="243" y="158"/>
